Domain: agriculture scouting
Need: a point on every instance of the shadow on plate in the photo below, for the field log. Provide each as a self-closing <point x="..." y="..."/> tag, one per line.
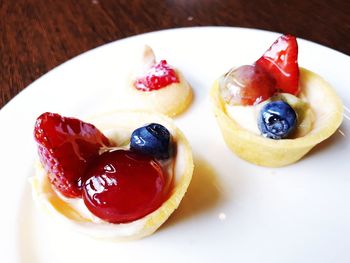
<point x="202" y="194"/>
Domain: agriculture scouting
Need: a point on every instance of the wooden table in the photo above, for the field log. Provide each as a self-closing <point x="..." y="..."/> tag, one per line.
<point x="37" y="35"/>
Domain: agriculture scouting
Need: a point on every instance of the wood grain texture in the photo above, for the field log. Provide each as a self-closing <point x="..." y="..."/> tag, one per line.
<point x="37" y="35"/>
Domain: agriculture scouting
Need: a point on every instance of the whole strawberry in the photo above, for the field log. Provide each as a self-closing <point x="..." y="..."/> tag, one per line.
<point x="65" y="146"/>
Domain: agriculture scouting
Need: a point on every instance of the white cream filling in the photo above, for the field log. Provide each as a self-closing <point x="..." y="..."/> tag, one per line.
<point x="247" y="116"/>
<point x="76" y="203"/>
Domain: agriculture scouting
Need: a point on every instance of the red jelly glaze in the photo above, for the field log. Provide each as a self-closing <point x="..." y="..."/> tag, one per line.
<point x="65" y="147"/>
<point x="123" y="186"/>
<point x="159" y="76"/>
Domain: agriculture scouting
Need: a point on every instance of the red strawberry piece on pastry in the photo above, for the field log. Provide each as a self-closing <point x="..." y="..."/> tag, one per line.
<point x="65" y="147"/>
<point x="281" y="62"/>
<point x="158" y="76"/>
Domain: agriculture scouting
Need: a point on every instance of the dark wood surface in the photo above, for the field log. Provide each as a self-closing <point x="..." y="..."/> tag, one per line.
<point x="37" y="35"/>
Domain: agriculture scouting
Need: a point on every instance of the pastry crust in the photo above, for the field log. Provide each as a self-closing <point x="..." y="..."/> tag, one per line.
<point x="171" y="100"/>
<point x="259" y="150"/>
<point x="118" y="126"/>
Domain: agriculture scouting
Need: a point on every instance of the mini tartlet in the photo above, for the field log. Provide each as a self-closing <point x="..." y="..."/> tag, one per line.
<point x="168" y="93"/>
<point x="118" y="127"/>
<point x="324" y="110"/>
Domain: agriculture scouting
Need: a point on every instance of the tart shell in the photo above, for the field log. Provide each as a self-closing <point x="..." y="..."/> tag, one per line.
<point x="171" y="100"/>
<point x="118" y="126"/>
<point x="324" y="102"/>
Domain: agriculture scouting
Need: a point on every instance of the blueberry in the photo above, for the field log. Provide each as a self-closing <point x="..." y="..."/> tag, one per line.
<point x="153" y="140"/>
<point x="277" y="120"/>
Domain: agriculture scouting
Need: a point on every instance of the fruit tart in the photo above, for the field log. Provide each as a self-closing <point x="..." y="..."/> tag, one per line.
<point x="271" y="113"/>
<point x="157" y="86"/>
<point x="119" y="178"/>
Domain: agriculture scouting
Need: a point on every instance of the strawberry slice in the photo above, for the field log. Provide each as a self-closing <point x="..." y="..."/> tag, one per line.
<point x="65" y="147"/>
<point x="159" y="76"/>
<point x="281" y="61"/>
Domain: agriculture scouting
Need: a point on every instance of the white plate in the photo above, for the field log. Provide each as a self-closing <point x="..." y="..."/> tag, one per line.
<point x="234" y="211"/>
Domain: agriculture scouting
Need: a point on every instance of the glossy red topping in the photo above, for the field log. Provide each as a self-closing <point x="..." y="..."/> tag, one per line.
<point x="159" y="76"/>
<point x="123" y="186"/>
<point x="281" y="61"/>
<point x="65" y="146"/>
<point x="247" y="85"/>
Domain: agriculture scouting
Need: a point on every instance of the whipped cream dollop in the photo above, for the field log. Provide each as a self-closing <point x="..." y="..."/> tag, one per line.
<point x="147" y="60"/>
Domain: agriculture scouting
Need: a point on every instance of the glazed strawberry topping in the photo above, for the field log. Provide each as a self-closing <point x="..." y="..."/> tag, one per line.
<point x="159" y="76"/>
<point x="281" y="61"/>
<point x="65" y="146"/>
<point x="123" y="186"/>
